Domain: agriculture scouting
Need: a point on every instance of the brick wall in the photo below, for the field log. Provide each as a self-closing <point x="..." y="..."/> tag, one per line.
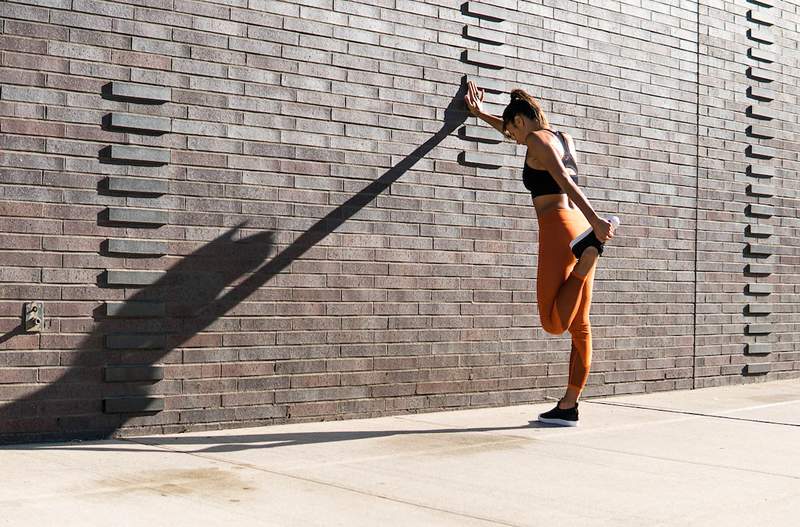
<point x="255" y="211"/>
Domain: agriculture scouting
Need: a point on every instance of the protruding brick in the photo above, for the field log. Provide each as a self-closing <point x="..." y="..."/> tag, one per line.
<point x="139" y="154"/>
<point x="759" y="249"/>
<point x="760" y="152"/>
<point x="757" y="369"/>
<point x="131" y="405"/>
<point x="761" y="171"/>
<point x="755" y="209"/>
<point x="759" y="111"/>
<point x="759" y="309"/>
<point x="759" y="348"/>
<point x="126" y="246"/>
<point x="761" y="16"/>
<point x="760" y="35"/>
<point x="761" y="74"/>
<point x="481" y="159"/>
<point x="134" y="278"/>
<point x="758" y="329"/>
<point x="134" y="373"/>
<point x="761" y="55"/>
<point x="147" y="216"/>
<point x="141" y="122"/>
<point x="489" y="12"/>
<point x="762" y="94"/>
<point x="482" y="58"/>
<point x="759" y="269"/>
<point x="759" y="289"/>
<point x="138" y="185"/>
<point x="760" y="230"/>
<point x="762" y="132"/>
<point x="139" y="342"/>
<point x="141" y="92"/>
<point x="489" y="84"/>
<point x="480" y="133"/>
<point x="484" y="35"/>
<point x="135" y="309"/>
<point x="760" y="190"/>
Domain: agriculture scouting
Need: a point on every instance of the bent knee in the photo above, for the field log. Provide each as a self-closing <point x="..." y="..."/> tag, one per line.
<point x="552" y="328"/>
<point x="579" y="329"/>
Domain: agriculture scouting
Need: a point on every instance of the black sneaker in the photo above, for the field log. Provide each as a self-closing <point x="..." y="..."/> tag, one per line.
<point x="557" y="416"/>
<point x="588" y="239"/>
<point x="583" y="241"/>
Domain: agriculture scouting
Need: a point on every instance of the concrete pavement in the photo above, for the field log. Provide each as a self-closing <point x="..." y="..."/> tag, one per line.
<point x="718" y="456"/>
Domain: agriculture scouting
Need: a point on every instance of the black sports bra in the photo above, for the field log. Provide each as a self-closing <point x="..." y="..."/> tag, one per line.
<point x="540" y="182"/>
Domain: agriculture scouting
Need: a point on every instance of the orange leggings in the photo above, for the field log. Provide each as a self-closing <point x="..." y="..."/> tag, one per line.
<point x="563" y="296"/>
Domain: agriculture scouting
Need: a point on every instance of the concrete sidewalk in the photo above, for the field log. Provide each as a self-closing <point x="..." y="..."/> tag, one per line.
<point x="719" y="456"/>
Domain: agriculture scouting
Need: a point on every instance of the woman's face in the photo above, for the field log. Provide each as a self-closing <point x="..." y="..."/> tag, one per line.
<point x="518" y="128"/>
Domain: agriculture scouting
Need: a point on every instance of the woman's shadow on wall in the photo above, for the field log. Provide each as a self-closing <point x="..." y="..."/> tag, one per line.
<point x="71" y="406"/>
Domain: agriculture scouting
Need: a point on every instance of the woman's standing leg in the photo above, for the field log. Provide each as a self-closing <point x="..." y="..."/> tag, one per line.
<point x="581" y="355"/>
<point x="564" y="289"/>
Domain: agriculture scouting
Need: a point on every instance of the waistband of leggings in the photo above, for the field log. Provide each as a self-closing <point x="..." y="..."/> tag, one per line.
<point x="560" y="215"/>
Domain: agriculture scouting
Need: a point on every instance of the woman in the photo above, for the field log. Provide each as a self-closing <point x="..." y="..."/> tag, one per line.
<point x="570" y="239"/>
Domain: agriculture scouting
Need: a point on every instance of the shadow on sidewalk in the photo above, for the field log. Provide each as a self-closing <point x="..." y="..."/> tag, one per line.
<point x="238" y="443"/>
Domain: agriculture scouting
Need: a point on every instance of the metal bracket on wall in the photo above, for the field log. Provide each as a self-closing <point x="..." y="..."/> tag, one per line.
<point x="34" y="317"/>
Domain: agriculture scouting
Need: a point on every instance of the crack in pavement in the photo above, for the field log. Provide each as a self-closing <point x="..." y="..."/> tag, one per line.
<point x="701" y="414"/>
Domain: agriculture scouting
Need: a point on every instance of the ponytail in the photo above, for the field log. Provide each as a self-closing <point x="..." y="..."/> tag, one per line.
<point x="523" y="103"/>
<point x="518" y="93"/>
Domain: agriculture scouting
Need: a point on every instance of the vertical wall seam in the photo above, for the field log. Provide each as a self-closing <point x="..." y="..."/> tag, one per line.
<point x="696" y="208"/>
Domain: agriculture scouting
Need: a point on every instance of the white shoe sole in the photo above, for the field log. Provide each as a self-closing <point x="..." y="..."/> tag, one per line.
<point x="560" y="422"/>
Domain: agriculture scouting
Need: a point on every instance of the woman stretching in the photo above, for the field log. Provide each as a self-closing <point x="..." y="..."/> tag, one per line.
<point x="570" y="239"/>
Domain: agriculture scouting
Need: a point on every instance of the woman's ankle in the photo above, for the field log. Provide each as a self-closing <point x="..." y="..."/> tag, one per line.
<point x="565" y="404"/>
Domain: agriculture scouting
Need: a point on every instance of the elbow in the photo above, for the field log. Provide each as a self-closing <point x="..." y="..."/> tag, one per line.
<point x="564" y="180"/>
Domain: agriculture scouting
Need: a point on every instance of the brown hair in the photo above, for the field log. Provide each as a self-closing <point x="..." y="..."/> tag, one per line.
<point x="523" y="103"/>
